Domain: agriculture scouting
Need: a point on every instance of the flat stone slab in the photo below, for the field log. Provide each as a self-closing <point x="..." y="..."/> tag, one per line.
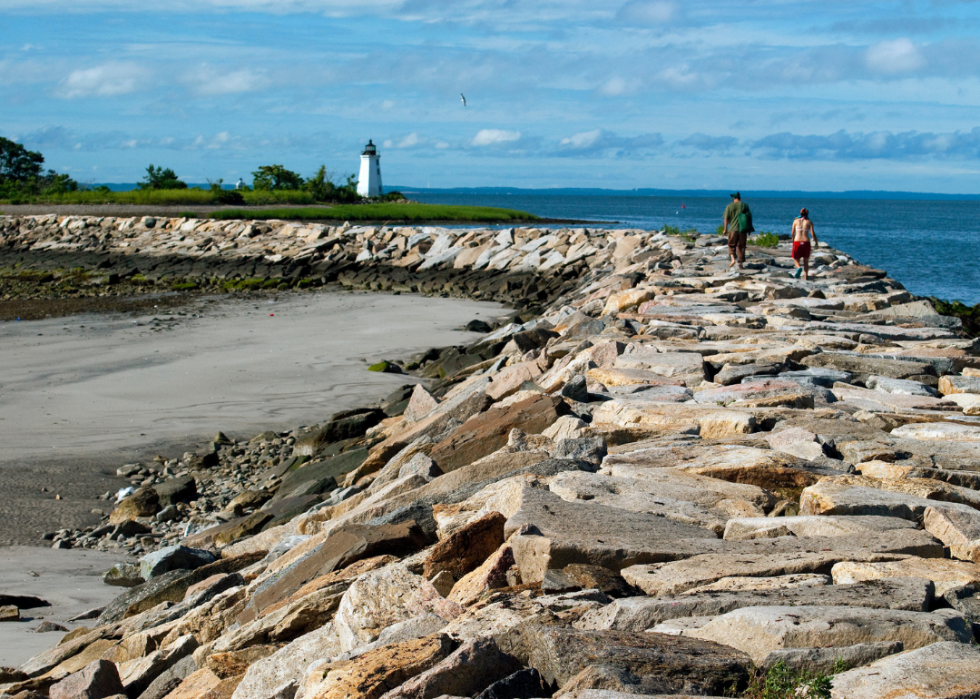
<point x="771" y="527"/>
<point x="641" y="613"/>
<point x="640" y="663"/>
<point x="760" y="630"/>
<point x="711" y="421"/>
<point x="880" y="401"/>
<point x="683" y="497"/>
<point x="782" y="556"/>
<point x="686" y="366"/>
<point x="945" y="670"/>
<point x="836" y="498"/>
<point x="940" y="431"/>
<point x="944" y="573"/>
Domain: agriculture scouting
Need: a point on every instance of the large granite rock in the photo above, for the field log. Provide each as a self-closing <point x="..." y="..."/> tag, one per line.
<point x="943" y="670"/>
<point x="641" y="613"/>
<point x="488" y="431"/>
<point x="637" y="663"/>
<point x="758" y="631"/>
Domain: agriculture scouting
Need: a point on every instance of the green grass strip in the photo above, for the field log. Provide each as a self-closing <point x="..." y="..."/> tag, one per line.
<point x="382" y="212"/>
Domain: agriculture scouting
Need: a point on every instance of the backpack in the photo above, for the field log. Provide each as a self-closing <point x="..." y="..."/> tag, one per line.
<point x="742" y="219"/>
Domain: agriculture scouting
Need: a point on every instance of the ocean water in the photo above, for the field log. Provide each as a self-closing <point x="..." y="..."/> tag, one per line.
<point x="931" y="247"/>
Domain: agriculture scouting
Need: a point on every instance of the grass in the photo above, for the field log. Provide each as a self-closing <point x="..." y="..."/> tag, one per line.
<point x="167" y="197"/>
<point x="382" y="212"/>
<point x="690" y="234"/>
<point x="766" y="239"/>
<point x="968" y="315"/>
<point x="781" y="682"/>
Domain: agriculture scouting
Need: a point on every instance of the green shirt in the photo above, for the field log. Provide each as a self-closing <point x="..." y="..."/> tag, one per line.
<point x="731" y="216"/>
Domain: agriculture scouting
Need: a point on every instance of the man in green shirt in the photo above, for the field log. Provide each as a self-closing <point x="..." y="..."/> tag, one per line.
<point x="738" y="225"/>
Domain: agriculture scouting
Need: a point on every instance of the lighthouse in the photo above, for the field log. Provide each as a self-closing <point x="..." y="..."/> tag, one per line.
<point x="369" y="181"/>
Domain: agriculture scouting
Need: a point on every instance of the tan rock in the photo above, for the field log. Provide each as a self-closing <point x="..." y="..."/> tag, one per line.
<point x="943" y="431"/>
<point x="378" y="671"/>
<point x="776" y="582"/>
<point x="760" y="630"/>
<point x="958" y="529"/>
<point x="143" y="503"/>
<point x="625" y="300"/>
<point x="959" y="384"/>
<point x="196" y="685"/>
<point x="467" y="548"/>
<point x="630" y="377"/>
<point x="946" y="670"/>
<point x="827" y="525"/>
<point x="711" y="421"/>
<point x="944" y="573"/>
<point x="510" y="379"/>
<point x="383" y="597"/>
<point x="491" y="574"/>
<point x="420" y="404"/>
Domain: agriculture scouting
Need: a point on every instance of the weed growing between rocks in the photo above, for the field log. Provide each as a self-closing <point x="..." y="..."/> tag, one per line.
<point x="766" y="239"/>
<point x="782" y="682"/>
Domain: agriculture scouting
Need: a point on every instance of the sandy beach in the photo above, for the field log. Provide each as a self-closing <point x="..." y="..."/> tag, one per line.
<point x="82" y="395"/>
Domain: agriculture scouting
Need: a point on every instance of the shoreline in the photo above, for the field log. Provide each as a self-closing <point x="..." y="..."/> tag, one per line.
<point x="106" y="366"/>
<point x="644" y="402"/>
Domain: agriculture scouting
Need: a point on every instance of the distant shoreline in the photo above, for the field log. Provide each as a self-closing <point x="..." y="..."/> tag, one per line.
<point x="860" y="194"/>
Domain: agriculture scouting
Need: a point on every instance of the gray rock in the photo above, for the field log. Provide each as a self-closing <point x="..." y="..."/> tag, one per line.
<point x="170" y="679"/>
<point x="641" y="613"/>
<point x="97" y="680"/>
<point x="173" y="558"/>
<point x="590" y="449"/>
<point x="942" y="670"/>
<point x="761" y="630"/>
<point x="824" y="660"/>
<point x="639" y="663"/>
<point x="900" y="386"/>
<point x="123" y="575"/>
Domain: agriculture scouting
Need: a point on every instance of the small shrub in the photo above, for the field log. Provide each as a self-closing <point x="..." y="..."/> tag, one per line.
<point x="766" y="239"/>
<point x="781" y="682"/>
<point x="720" y="230"/>
<point x="184" y="286"/>
<point x="187" y="214"/>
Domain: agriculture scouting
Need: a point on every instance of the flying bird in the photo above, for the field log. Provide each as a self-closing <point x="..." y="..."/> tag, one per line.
<point x="462" y="98"/>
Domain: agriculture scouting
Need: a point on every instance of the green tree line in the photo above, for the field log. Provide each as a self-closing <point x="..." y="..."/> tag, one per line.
<point x="22" y="178"/>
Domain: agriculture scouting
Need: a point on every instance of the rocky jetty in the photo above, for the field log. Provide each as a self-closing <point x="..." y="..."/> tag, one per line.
<point x="661" y="478"/>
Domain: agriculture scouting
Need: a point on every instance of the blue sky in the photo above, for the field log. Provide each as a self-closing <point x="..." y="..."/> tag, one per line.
<point x="765" y="94"/>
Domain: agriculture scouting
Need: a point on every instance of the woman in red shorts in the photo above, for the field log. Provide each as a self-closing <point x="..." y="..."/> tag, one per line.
<point x="802" y="230"/>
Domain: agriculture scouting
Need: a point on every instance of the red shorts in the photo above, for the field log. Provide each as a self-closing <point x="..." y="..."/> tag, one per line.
<point x="801" y="250"/>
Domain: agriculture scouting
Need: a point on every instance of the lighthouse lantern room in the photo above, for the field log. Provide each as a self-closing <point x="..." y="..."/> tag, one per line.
<point x="369" y="181"/>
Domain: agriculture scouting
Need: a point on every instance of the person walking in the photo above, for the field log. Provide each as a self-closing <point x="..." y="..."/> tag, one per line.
<point x="738" y="225"/>
<point x="802" y="230"/>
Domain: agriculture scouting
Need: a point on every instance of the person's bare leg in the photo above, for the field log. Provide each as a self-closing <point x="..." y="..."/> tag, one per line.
<point x="806" y="269"/>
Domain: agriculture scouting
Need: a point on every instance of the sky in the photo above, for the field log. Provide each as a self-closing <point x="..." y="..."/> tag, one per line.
<point x="761" y="94"/>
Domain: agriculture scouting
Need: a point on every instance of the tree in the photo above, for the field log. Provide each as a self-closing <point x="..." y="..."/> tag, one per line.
<point x="17" y="164"/>
<point x="272" y="177"/>
<point x="323" y="187"/>
<point x="21" y="174"/>
<point x="160" y="178"/>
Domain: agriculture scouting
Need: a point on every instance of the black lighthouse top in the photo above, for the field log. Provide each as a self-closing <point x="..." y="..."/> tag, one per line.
<point x="370" y="149"/>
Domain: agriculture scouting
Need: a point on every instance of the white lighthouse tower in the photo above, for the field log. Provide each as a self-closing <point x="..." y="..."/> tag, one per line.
<point x="369" y="181"/>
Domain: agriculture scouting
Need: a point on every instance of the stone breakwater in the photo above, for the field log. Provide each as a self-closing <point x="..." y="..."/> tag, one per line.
<point x="662" y="478"/>
<point x="524" y="268"/>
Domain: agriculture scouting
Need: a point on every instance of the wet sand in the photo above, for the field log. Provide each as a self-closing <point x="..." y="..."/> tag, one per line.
<point x="82" y="395"/>
<point x="70" y="580"/>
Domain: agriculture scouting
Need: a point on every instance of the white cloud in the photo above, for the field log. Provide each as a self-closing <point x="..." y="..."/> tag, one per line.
<point x="586" y="139"/>
<point x="411" y="140"/>
<point x="898" y="56"/>
<point x="614" y="86"/>
<point x="647" y="11"/>
<point x="490" y="137"/>
<point x="107" y="80"/>
<point x="208" y="81"/>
